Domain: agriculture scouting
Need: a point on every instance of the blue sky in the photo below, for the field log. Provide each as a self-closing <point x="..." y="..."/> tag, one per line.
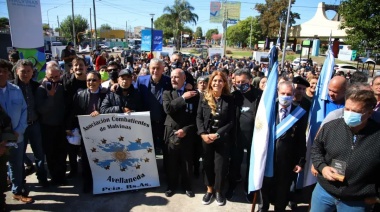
<point x="136" y="13"/>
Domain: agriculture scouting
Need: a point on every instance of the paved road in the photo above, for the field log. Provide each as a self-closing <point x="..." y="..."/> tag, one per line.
<point x="70" y="198"/>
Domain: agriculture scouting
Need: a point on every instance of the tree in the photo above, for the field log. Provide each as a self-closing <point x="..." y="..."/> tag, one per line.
<point x="270" y="15"/>
<point x="180" y="13"/>
<point x="66" y="29"/>
<point x="210" y="32"/>
<point x="4" y="22"/>
<point x="361" y="21"/>
<point x="165" y="24"/>
<point x="240" y="33"/>
<point x="105" y="27"/>
<point x="198" y="32"/>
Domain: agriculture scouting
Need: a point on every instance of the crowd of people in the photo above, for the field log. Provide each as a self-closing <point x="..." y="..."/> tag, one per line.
<point x="200" y="108"/>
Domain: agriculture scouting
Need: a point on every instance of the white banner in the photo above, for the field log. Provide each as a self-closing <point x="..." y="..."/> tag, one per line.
<point x="26" y="23"/>
<point x="215" y="52"/>
<point x="120" y="151"/>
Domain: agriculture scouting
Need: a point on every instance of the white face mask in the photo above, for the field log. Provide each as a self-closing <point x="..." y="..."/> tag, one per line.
<point x="285" y="100"/>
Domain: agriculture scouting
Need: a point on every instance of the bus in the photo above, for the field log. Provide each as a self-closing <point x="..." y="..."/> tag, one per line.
<point x="134" y="43"/>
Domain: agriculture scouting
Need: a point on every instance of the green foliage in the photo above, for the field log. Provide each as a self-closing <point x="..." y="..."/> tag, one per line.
<point x="198" y="32"/>
<point x="165" y="24"/>
<point x="210" y="32"/>
<point x="4" y="22"/>
<point x="361" y="21"/>
<point x="240" y="32"/>
<point x="180" y="13"/>
<point x="105" y="27"/>
<point x="45" y="27"/>
<point x="66" y="29"/>
<point x="271" y="12"/>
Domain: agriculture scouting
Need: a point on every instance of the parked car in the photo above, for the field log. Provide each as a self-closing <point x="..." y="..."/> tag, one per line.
<point x="296" y="62"/>
<point x="117" y="48"/>
<point x="345" y="68"/>
<point x="103" y="46"/>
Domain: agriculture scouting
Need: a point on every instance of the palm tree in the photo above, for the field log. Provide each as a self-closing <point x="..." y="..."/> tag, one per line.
<point x="181" y="13"/>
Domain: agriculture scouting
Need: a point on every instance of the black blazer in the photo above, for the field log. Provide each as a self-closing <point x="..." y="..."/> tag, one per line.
<point x="114" y="101"/>
<point x="177" y="117"/>
<point x="291" y="146"/>
<point x="227" y="116"/>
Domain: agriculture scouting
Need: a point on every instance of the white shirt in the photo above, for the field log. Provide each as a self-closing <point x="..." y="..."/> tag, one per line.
<point x="280" y="112"/>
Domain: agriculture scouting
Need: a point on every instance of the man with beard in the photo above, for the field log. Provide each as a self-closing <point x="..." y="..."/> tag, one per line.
<point x="113" y="70"/>
<point x="247" y="99"/>
<point x="72" y="86"/>
<point x="180" y="106"/>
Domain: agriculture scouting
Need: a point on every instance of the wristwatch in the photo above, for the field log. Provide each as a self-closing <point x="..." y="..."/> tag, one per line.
<point x="217" y="135"/>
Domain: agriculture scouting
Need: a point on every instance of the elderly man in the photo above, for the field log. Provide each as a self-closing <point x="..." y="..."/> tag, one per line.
<point x="24" y="71"/>
<point x="50" y="101"/>
<point x="337" y="90"/>
<point x="125" y="99"/>
<point x="151" y="88"/>
<point x="13" y="103"/>
<point x="300" y="85"/>
<point x="376" y="90"/>
<point x="348" y="164"/>
<point x="176" y="62"/>
<point x="289" y="153"/>
<point x="180" y="106"/>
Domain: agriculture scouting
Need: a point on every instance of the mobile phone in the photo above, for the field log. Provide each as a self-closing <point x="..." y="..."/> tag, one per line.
<point x="48" y="86"/>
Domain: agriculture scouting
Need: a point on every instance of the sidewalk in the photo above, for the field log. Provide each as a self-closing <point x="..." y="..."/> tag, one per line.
<point x="70" y="198"/>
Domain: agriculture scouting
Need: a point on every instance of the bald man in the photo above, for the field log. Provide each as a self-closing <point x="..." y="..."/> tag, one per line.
<point x="337" y="89"/>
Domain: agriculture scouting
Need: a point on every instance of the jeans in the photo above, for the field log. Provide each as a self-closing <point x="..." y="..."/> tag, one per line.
<point x="16" y="168"/>
<point x="322" y="201"/>
<point x="33" y="135"/>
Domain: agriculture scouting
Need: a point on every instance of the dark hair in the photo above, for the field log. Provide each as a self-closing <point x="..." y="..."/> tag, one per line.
<point x="113" y="63"/>
<point x="358" y="77"/>
<point x="95" y="73"/>
<point x="6" y="64"/>
<point x="14" y="55"/>
<point x="245" y="72"/>
<point x="23" y="62"/>
<point x="225" y="71"/>
<point x="364" y="96"/>
<point x="77" y="59"/>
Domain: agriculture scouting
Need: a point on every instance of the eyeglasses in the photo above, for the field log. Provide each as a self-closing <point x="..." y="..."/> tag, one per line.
<point x="92" y="80"/>
<point x="114" y="69"/>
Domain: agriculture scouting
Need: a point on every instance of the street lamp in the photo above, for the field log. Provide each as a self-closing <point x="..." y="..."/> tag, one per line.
<point x="151" y="32"/>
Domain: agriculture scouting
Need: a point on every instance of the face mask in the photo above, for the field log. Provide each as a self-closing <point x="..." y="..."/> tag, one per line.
<point x="176" y="64"/>
<point x="352" y="119"/>
<point x="285" y="100"/>
<point x="114" y="75"/>
<point x="104" y="75"/>
<point x="243" y="87"/>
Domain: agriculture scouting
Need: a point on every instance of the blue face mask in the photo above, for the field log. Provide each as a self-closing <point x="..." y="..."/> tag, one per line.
<point x="285" y="100"/>
<point x="243" y="87"/>
<point x="352" y="119"/>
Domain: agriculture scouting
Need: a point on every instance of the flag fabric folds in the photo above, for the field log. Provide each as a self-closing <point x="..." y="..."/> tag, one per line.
<point x="316" y="116"/>
<point x="263" y="141"/>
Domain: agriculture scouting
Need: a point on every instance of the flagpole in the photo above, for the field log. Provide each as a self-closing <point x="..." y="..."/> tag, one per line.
<point x="286" y="36"/>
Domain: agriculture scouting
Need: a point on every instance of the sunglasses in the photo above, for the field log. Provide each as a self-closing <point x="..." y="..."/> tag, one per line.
<point x="110" y="70"/>
<point x="92" y="80"/>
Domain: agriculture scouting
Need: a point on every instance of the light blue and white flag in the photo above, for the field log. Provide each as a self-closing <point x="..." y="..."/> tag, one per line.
<point x="316" y="116"/>
<point x="263" y="141"/>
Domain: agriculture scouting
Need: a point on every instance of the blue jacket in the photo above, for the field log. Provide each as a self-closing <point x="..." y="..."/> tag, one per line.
<point x="151" y="102"/>
<point x="13" y="102"/>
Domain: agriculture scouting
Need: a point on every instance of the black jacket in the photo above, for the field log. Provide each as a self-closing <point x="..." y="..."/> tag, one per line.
<point x="362" y="174"/>
<point x="114" y="102"/>
<point x="179" y="114"/>
<point x="80" y="104"/>
<point x="227" y="117"/>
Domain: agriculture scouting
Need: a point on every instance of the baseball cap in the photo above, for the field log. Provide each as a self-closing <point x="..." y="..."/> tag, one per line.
<point x="125" y="72"/>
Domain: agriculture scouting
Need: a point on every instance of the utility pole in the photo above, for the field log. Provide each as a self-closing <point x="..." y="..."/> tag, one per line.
<point x="286" y="35"/>
<point x="126" y="30"/>
<point x="92" y="45"/>
<point x="72" y="17"/>
<point x="225" y="31"/>
<point x="151" y="32"/>
<point x="96" y="34"/>
<point x="250" y="34"/>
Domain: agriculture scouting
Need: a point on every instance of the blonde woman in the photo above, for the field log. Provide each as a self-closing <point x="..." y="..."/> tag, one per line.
<point x="215" y="118"/>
